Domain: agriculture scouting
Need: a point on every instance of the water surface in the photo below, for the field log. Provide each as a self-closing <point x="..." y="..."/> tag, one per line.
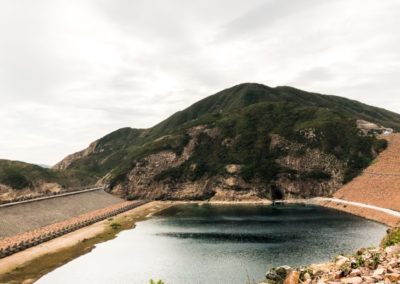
<point x="220" y="244"/>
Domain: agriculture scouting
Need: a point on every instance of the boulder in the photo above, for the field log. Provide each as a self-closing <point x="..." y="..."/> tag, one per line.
<point x="278" y="274"/>
<point x="341" y="260"/>
<point x="352" y="280"/>
<point x="292" y="278"/>
<point x="393" y="277"/>
<point x="379" y="272"/>
<point x="355" y="272"/>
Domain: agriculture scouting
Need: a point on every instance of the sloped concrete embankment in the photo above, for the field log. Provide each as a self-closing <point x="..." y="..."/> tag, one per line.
<point x="379" y="184"/>
<point x="29" y="216"/>
<point x="14" y="244"/>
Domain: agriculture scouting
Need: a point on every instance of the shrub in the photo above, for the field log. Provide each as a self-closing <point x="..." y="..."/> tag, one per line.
<point x="392" y="238"/>
<point x="380" y="145"/>
<point x="15" y="179"/>
<point x="316" y="174"/>
<point x="158" y="282"/>
<point x="115" y="225"/>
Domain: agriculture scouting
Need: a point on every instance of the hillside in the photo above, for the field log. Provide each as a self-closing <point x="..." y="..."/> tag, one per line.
<point x="246" y="142"/>
<point x="18" y="179"/>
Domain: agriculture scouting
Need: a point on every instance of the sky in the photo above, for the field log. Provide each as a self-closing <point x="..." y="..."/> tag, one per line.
<point x="72" y="71"/>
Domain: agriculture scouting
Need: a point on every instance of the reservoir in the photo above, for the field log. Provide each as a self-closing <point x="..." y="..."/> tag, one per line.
<point x="195" y="243"/>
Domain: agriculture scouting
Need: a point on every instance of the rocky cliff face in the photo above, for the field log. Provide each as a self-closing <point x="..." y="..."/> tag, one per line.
<point x="309" y="172"/>
<point x="314" y="173"/>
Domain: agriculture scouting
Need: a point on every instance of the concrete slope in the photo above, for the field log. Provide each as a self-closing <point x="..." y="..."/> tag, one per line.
<point x="379" y="184"/>
<point x="33" y="215"/>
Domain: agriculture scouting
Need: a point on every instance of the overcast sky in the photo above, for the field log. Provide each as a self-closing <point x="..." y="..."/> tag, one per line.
<point x="72" y="71"/>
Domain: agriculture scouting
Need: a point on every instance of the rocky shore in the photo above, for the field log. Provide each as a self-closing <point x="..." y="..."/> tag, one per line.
<point x="373" y="265"/>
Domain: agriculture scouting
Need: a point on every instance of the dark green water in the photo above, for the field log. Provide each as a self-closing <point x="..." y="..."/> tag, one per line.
<point x="220" y="244"/>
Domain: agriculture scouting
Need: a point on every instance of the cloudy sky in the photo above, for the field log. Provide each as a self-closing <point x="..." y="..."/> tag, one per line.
<point x="71" y="71"/>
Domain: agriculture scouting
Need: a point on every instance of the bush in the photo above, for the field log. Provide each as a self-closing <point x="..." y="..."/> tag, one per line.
<point x="15" y="179"/>
<point x="380" y="145"/>
<point x="392" y="238"/>
<point x="158" y="282"/>
<point x="316" y="174"/>
<point x="115" y="225"/>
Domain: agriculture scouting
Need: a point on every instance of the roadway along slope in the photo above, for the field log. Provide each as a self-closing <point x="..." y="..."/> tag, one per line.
<point x="33" y="215"/>
<point x="379" y="184"/>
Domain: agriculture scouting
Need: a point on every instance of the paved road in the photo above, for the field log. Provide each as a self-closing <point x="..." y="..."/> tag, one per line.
<point x="337" y="200"/>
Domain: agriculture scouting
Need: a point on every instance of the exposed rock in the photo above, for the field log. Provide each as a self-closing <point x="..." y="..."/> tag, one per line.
<point x="232" y="168"/>
<point x="341" y="260"/>
<point x="142" y="183"/>
<point x="355" y="272"/>
<point x="379" y="271"/>
<point x="393" y="277"/>
<point x="352" y="280"/>
<point x="292" y="278"/>
<point x="279" y="274"/>
<point x="372" y="128"/>
<point x="387" y="269"/>
<point x="305" y="163"/>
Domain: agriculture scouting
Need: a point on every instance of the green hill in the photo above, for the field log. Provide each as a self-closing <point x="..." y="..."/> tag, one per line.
<point x="238" y="127"/>
<point x="19" y="175"/>
<point x="249" y="141"/>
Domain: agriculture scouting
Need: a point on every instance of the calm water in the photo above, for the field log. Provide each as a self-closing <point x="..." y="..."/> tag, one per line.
<point x="219" y="244"/>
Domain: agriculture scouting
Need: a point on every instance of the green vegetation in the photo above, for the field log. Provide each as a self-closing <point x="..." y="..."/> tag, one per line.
<point x="115" y="225"/>
<point x="246" y="116"/>
<point x="156" y="282"/>
<point x="392" y="238"/>
<point x="19" y="175"/>
<point x="317" y="175"/>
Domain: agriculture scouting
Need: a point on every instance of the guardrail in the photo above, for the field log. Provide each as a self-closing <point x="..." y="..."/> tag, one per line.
<point x="71" y="192"/>
<point x="25" y="244"/>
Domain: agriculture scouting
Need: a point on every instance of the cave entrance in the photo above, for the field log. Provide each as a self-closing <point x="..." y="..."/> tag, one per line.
<point x="277" y="193"/>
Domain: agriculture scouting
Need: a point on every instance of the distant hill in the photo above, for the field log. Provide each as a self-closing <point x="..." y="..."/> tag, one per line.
<point x="19" y="179"/>
<point x="246" y="142"/>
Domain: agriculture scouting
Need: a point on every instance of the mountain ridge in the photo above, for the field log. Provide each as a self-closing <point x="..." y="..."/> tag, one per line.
<point x="293" y="111"/>
<point x="247" y="141"/>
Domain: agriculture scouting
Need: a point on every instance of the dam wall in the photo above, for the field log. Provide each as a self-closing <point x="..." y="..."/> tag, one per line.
<point x="29" y="216"/>
<point x="379" y="184"/>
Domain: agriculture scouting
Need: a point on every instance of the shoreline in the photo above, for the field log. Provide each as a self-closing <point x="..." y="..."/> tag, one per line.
<point x="367" y="213"/>
<point x="50" y="255"/>
<point x="370" y="214"/>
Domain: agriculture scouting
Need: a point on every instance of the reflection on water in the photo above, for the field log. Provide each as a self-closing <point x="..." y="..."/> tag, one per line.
<point x="220" y="244"/>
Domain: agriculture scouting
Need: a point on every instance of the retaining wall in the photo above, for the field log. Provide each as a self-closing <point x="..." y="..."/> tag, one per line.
<point x="11" y="245"/>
